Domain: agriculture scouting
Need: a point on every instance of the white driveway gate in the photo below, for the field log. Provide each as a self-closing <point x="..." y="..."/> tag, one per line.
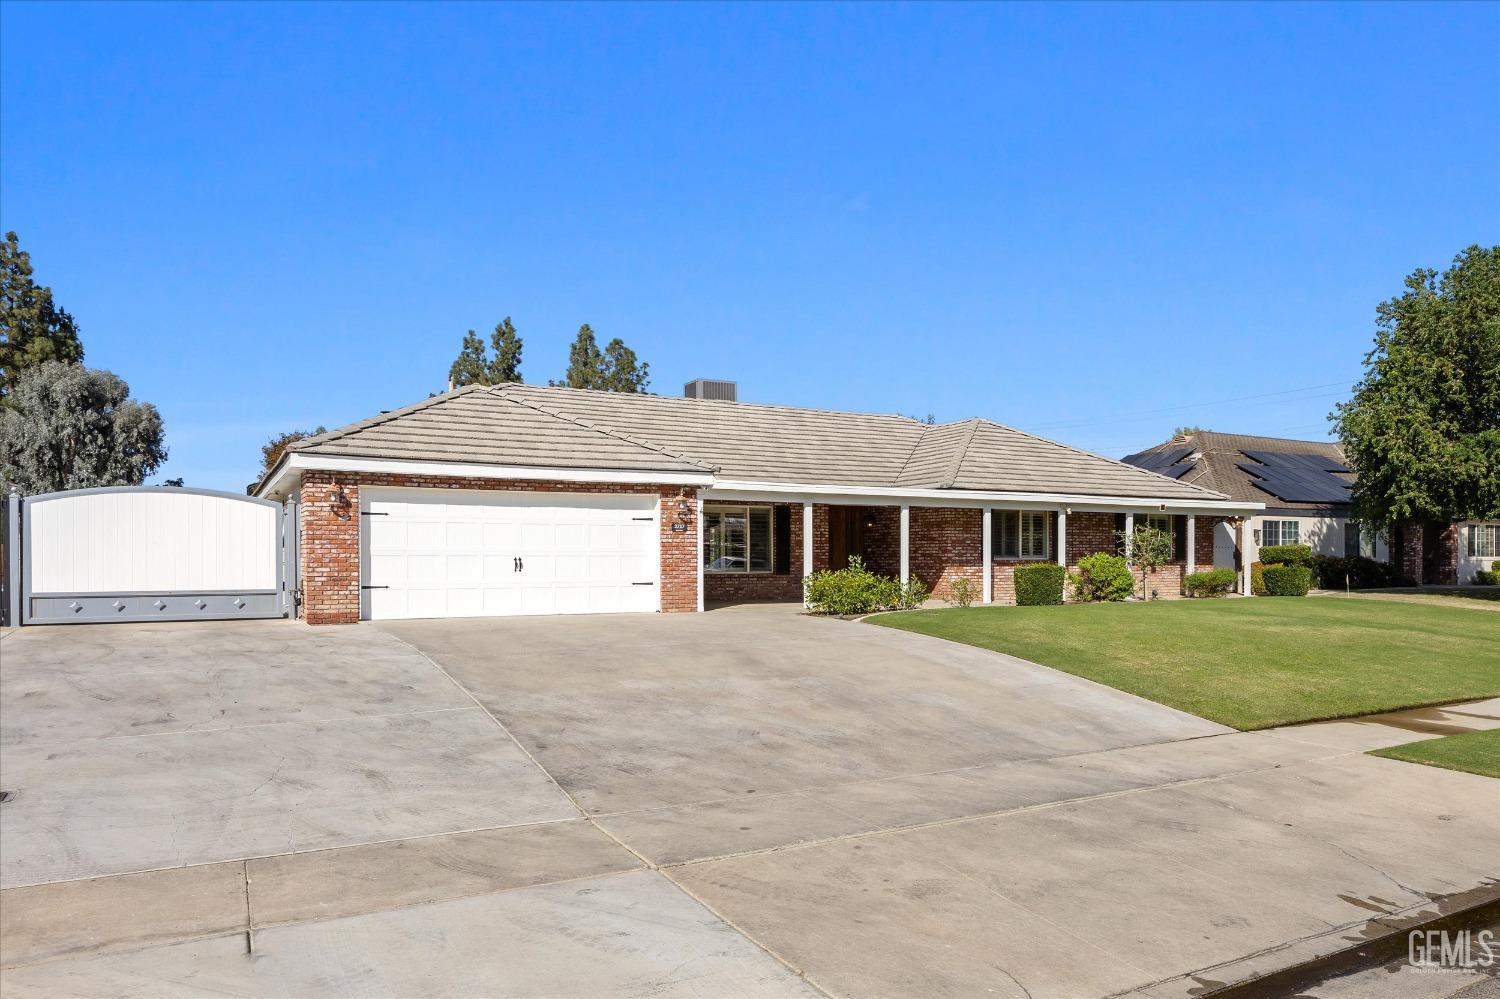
<point x="149" y="553"/>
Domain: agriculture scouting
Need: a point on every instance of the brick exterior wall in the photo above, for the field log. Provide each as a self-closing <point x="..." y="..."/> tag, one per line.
<point x="1427" y="553"/>
<point x="735" y="587"/>
<point x="946" y="544"/>
<point x="1445" y="556"/>
<point x="330" y="537"/>
<point x="1408" y="553"/>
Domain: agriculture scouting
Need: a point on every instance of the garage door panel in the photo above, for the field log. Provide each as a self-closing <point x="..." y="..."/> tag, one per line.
<point x="455" y="554"/>
<point x="462" y="534"/>
<point x="424" y="534"/>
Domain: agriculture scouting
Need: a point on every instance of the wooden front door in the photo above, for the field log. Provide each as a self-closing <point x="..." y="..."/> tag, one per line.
<point x="846" y="535"/>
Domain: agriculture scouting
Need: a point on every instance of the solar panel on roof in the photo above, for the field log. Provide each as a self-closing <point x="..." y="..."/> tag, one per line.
<point x="1295" y="478"/>
<point x="1161" y="462"/>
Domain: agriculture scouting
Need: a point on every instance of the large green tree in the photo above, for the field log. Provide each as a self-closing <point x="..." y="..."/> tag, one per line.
<point x="614" y="369"/>
<point x="32" y="327"/>
<point x="476" y="367"/>
<point x="71" y="427"/>
<point x="1422" y="430"/>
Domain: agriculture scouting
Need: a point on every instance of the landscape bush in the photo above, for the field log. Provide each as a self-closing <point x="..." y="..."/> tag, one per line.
<point x="1490" y="578"/>
<point x="1287" y="580"/>
<point x="1329" y="572"/>
<point x="857" y="590"/>
<point x="1213" y="583"/>
<point x="1102" y="576"/>
<point x="1040" y="584"/>
<point x="960" y="592"/>
<point x="1258" y="577"/>
<point x="1286" y="555"/>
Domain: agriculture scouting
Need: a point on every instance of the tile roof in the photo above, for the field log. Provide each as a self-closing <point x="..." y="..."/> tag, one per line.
<point x="1216" y="459"/>
<point x="563" y="428"/>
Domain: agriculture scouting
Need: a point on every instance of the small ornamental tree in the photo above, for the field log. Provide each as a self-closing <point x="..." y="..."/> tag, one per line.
<point x="272" y="450"/>
<point x="1150" y="548"/>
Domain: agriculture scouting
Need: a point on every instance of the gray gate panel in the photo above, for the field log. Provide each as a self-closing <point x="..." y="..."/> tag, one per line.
<point x="97" y="608"/>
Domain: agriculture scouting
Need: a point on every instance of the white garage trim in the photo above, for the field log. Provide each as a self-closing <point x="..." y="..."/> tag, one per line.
<point x="434" y="552"/>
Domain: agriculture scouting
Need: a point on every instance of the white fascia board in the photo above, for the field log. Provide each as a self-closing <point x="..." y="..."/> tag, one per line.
<point x="293" y="465"/>
<point x="737" y="491"/>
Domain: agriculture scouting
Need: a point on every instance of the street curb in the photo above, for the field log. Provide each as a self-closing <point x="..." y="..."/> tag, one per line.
<point x="1385" y="939"/>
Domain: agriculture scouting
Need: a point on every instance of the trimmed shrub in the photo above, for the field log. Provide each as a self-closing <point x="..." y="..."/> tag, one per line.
<point x="1287" y="580"/>
<point x="960" y="592"/>
<point x="1040" y="584"/>
<point x="1330" y="571"/>
<point x="1490" y="578"/>
<point x="1102" y="576"/>
<point x="1213" y="583"/>
<point x="1286" y="555"/>
<point x="855" y="590"/>
<point x="1258" y="577"/>
<point x="913" y="594"/>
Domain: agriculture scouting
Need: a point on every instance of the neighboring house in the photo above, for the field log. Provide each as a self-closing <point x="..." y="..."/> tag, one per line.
<point x="1305" y="487"/>
<point x="519" y="499"/>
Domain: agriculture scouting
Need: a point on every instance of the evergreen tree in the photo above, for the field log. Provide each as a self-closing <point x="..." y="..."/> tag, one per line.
<point x="469" y="367"/>
<point x="32" y="328"/>
<point x="474" y="367"/>
<point x="586" y="366"/>
<point x="622" y="371"/>
<point x="506" y="364"/>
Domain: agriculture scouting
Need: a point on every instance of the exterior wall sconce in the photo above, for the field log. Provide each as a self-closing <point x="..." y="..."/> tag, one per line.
<point x="338" y="502"/>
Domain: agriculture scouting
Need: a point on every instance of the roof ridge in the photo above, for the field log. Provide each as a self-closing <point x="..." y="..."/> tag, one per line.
<point x="686" y="400"/>
<point x="959" y="454"/>
<point x="1113" y="461"/>
<point x="385" y="417"/>
<point x="499" y="392"/>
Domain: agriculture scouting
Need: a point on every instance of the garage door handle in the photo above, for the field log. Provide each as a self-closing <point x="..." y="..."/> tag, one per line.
<point x="648" y="583"/>
<point x="374" y="587"/>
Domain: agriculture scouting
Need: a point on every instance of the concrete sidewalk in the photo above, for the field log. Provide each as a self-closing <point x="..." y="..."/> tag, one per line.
<point x="1160" y="869"/>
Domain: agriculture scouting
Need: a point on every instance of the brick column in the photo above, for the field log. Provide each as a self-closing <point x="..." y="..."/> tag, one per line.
<point x="679" y="550"/>
<point x="1409" y="557"/>
<point x="330" y="549"/>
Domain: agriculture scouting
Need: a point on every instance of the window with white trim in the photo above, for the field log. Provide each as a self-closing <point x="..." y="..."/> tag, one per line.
<point x="1021" y="535"/>
<point x="1160" y="521"/>
<point x="1279" y="532"/>
<point x="737" y="539"/>
<point x="1484" y="541"/>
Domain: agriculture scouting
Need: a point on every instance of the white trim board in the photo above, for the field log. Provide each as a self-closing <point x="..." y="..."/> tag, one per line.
<point x="294" y="464"/>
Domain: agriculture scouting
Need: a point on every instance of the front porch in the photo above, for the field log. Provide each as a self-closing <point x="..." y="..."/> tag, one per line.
<point x="754" y="548"/>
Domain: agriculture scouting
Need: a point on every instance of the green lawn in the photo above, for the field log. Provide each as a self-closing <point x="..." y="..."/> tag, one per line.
<point x="1247" y="663"/>
<point x="1471" y="752"/>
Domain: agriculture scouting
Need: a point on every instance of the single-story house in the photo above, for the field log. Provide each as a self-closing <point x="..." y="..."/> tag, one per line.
<point x="519" y="499"/>
<point x="1305" y="486"/>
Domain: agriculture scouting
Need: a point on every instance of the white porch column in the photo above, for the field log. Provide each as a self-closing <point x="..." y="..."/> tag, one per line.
<point x="807" y="547"/>
<point x="1192" y="549"/>
<point x="985" y="554"/>
<point x="1241" y="530"/>
<point x="1062" y="538"/>
<point x="1130" y="539"/>
<point x="905" y="542"/>
<point x="698" y="519"/>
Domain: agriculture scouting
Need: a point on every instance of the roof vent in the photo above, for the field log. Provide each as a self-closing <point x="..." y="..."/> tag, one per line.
<point x="709" y="388"/>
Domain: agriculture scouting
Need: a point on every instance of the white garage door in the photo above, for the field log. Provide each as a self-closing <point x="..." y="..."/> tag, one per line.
<point x="447" y="553"/>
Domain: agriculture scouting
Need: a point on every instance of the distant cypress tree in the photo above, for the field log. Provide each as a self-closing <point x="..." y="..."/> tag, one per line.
<point x="33" y="329"/>
<point x="474" y="367"/>
<point x="586" y="366"/>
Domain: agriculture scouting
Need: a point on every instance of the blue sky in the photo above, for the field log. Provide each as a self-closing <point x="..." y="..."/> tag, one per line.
<point x="1093" y="222"/>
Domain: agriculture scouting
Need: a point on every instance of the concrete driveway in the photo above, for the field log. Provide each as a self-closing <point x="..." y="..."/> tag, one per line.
<point x="747" y="802"/>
